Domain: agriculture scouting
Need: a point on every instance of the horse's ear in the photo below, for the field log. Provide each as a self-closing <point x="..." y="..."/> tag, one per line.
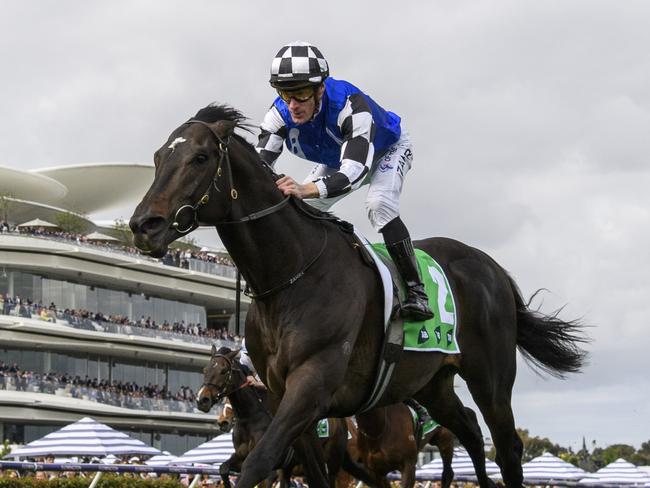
<point x="233" y="354"/>
<point x="225" y="128"/>
<point x="213" y="353"/>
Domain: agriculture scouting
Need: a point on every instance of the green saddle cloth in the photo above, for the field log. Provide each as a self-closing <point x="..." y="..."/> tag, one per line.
<point x="429" y="426"/>
<point x="323" y="429"/>
<point x="438" y="333"/>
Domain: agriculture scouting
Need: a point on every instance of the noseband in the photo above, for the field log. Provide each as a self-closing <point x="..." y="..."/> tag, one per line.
<point x="223" y="165"/>
<point x="227" y="384"/>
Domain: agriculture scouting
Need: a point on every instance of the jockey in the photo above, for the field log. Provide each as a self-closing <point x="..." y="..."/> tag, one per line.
<point x="353" y="142"/>
<point x="249" y="370"/>
<point x="245" y="359"/>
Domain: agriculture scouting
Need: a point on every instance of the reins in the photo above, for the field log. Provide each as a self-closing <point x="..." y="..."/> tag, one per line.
<point x="291" y="280"/>
<point x="220" y="395"/>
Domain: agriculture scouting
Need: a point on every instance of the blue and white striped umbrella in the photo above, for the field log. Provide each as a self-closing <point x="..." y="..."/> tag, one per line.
<point x="215" y="451"/>
<point x="546" y="468"/>
<point x="461" y="464"/>
<point x="619" y="473"/>
<point x="85" y="437"/>
<point x="161" y="459"/>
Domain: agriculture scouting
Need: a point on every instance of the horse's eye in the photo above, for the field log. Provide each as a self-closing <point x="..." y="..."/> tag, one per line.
<point x="200" y="159"/>
<point x="224" y="370"/>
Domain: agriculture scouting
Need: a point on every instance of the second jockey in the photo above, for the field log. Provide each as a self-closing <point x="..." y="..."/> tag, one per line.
<point x="353" y="141"/>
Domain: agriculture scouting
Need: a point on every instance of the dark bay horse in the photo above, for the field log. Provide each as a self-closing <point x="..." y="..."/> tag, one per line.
<point x="314" y="329"/>
<point x="225" y="377"/>
<point x="384" y="440"/>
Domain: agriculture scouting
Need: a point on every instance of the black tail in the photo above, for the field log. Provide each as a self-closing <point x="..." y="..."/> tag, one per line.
<point x="357" y="470"/>
<point x="547" y="342"/>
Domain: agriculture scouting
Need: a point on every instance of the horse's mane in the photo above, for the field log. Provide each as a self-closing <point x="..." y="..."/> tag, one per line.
<point x="215" y="112"/>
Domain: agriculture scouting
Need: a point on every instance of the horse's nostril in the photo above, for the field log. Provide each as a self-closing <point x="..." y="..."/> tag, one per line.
<point x="152" y="224"/>
<point x="147" y="224"/>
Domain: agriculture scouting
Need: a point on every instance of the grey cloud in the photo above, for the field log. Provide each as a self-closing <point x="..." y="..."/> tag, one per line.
<point x="529" y="120"/>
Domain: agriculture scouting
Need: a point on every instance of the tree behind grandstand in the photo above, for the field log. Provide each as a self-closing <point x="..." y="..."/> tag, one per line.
<point x="6" y="202"/>
<point x="122" y="231"/>
<point x="73" y="223"/>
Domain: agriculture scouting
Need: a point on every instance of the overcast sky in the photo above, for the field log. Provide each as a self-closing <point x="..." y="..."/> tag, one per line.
<point x="530" y="123"/>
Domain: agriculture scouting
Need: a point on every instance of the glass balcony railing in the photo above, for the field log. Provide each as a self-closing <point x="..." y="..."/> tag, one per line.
<point x="132" y="401"/>
<point x="81" y="323"/>
<point x="198" y="265"/>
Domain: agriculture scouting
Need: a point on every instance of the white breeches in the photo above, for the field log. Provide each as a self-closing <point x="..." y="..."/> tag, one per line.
<point x="384" y="181"/>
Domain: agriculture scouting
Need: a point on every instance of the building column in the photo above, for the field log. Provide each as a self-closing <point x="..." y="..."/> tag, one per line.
<point x="10" y="284"/>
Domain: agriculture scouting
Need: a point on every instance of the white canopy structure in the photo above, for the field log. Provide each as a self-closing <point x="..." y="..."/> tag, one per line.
<point x="85" y="437"/>
<point x="215" y="451"/>
<point x="461" y="464"/>
<point x="618" y="473"/>
<point x="37" y="223"/>
<point x="547" y="468"/>
<point x="98" y="236"/>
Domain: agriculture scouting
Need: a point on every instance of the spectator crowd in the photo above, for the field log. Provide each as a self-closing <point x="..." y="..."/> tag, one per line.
<point x="84" y="319"/>
<point x="180" y="258"/>
<point x="117" y="393"/>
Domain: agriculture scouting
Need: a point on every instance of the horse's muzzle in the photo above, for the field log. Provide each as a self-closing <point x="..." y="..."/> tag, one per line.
<point x="149" y="233"/>
<point x="204" y="403"/>
<point x="225" y="426"/>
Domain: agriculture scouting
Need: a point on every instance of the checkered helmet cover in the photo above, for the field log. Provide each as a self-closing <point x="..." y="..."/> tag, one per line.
<point x="298" y="62"/>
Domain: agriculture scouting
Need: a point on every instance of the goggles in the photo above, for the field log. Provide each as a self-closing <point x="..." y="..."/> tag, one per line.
<point x="300" y="95"/>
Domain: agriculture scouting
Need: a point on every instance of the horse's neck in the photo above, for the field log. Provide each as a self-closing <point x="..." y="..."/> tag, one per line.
<point x="264" y="249"/>
<point x="244" y="403"/>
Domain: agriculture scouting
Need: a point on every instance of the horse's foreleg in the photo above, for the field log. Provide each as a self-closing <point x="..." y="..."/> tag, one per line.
<point x="302" y="404"/>
<point x="224" y="472"/>
<point x="444" y="439"/>
<point x="408" y="475"/>
<point x="310" y="451"/>
<point x="358" y="471"/>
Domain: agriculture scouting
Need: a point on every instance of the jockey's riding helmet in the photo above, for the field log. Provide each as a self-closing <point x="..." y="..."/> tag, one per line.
<point x="298" y="65"/>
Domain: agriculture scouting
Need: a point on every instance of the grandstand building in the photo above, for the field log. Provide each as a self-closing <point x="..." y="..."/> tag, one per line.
<point x="92" y="328"/>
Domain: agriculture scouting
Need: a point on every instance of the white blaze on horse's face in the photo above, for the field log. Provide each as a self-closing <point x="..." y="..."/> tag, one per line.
<point x="176" y="142"/>
<point x="199" y="394"/>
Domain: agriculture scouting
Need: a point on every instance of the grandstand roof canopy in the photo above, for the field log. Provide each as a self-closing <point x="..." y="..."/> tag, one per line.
<point x="82" y="189"/>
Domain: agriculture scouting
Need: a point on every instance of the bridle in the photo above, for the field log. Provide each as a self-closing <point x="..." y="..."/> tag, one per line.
<point x="222" y="166"/>
<point x="227" y="384"/>
<point x="245" y="384"/>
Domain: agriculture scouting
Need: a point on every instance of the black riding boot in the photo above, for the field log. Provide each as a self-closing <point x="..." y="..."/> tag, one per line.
<point x="416" y="306"/>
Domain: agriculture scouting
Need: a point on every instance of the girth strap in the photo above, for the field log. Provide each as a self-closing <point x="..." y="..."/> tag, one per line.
<point x="393" y="344"/>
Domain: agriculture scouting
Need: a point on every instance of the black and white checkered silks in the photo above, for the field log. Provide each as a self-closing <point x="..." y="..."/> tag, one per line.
<point x="299" y="61"/>
<point x="357" y="150"/>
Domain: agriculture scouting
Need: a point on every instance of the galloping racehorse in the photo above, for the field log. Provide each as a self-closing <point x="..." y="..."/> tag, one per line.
<point x="226" y="417"/>
<point x="315" y="326"/>
<point x="223" y="377"/>
<point x="384" y="440"/>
